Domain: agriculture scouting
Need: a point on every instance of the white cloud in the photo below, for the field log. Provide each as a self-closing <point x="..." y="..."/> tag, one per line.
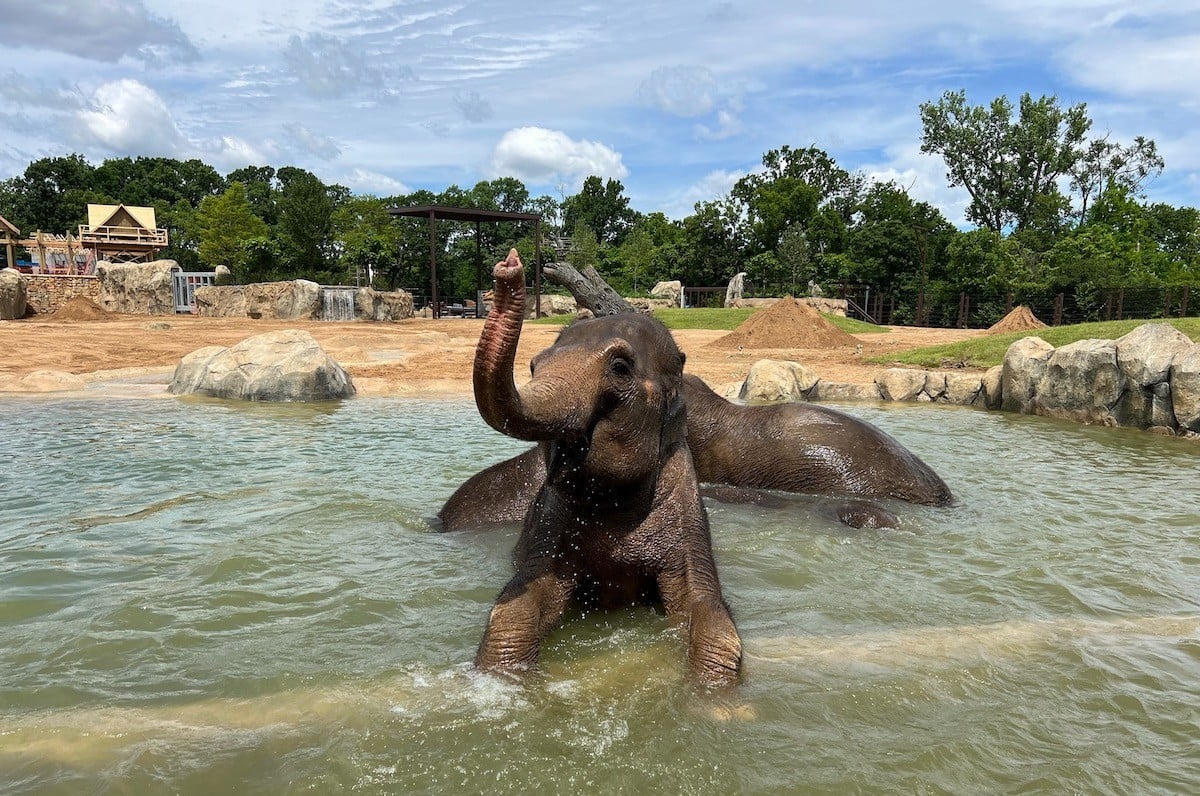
<point x="228" y="152"/>
<point x="680" y="90"/>
<point x="539" y="155"/>
<point x="714" y="185"/>
<point x="727" y="126"/>
<point x="923" y="177"/>
<point x="308" y="142"/>
<point x="129" y="118"/>
<point x="106" y="31"/>
<point x="365" y="181"/>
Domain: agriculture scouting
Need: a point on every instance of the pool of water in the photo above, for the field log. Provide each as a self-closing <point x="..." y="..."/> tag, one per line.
<point x="212" y="598"/>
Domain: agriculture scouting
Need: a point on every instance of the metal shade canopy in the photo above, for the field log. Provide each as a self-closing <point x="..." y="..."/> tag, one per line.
<point x="445" y="213"/>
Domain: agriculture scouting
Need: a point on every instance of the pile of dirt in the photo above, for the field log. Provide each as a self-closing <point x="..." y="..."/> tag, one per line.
<point x="788" y="323"/>
<point x="79" y="308"/>
<point x="1021" y="319"/>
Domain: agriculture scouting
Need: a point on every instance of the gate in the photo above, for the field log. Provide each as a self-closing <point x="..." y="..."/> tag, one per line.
<point x="183" y="288"/>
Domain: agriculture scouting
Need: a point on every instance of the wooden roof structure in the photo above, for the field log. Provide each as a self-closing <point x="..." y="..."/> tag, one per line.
<point x="122" y="233"/>
<point x="466" y="214"/>
<point x="10" y="238"/>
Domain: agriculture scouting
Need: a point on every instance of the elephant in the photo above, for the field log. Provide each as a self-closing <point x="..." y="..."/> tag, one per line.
<point x="616" y="518"/>
<point x="792" y="447"/>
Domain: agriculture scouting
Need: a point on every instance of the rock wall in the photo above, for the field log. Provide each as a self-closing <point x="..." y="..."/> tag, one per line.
<point x="1148" y="379"/>
<point x="829" y="306"/>
<point x="374" y="305"/>
<point x="298" y="299"/>
<point x="137" y="288"/>
<point x="48" y="292"/>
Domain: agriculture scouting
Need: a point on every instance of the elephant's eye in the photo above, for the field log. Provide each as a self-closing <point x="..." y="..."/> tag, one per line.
<point x="621" y="367"/>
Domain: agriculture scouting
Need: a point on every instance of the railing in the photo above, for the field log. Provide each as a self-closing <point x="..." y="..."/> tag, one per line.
<point x="183" y="288"/>
<point x="138" y="236"/>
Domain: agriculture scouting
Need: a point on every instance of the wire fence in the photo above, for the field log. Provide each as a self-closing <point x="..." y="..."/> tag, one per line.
<point x="980" y="309"/>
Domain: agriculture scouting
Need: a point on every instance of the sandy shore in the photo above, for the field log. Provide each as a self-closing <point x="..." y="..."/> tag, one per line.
<point x="411" y="357"/>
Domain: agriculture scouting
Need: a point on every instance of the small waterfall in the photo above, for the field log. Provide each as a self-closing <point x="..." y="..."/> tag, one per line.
<point x="337" y="303"/>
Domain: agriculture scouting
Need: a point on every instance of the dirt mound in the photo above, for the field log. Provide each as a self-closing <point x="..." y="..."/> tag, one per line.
<point x="788" y="323"/>
<point x="79" y="308"/>
<point x="1021" y="319"/>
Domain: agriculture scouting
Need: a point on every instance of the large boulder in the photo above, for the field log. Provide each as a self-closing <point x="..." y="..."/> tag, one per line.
<point x="286" y="365"/>
<point x="137" y="288"/>
<point x="1185" y="387"/>
<point x="1081" y="382"/>
<point x="298" y="299"/>
<point x="14" y="294"/>
<point x="902" y="384"/>
<point x="1144" y="357"/>
<point x="772" y="381"/>
<point x="993" y="380"/>
<point x="1021" y="371"/>
<point x="965" y="389"/>
<point x="551" y="305"/>
<point x="669" y="291"/>
<point x="374" y="305"/>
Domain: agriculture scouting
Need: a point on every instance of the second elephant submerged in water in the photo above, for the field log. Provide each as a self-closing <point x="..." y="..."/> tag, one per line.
<point x="801" y="448"/>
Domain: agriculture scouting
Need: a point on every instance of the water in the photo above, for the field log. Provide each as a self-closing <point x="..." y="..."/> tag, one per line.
<point x="337" y="303"/>
<point x="199" y="597"/>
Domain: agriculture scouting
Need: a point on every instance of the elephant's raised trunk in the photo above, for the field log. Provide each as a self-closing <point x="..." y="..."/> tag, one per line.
<point x="537" y="411"/>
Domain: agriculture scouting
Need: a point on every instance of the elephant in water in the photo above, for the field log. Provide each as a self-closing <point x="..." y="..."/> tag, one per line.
<point x="793" y="447"/>
<point x="616" y="517"/>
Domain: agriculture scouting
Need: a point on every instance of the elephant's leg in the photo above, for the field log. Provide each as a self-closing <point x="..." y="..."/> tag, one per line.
<point x="714" y="647"/>
<point x="527" y="609"/>
<point x="501" y="494"/>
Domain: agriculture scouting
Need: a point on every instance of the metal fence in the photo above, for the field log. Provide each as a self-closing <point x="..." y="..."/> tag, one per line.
<point x="183" y="288"/>
<point x="982" y="309"/>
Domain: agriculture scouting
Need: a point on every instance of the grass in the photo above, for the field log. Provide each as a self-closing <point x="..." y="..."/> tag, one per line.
<point x="984" y="352"/>
<point x="723" y="320"/>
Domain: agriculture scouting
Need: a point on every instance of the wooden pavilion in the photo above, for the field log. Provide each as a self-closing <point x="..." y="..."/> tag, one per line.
<point x="122" y="234"/>
<point x="436" y="212"/>
<point x="11" y="239"/>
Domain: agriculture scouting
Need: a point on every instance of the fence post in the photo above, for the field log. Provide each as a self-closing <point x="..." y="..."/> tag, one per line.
<point x="1058" y="310"/>
<point x="1108" y="306"/>
<point x="1167" y="303"/>
<point x="1183" y="301"/>
<point x="1120" y="303"/>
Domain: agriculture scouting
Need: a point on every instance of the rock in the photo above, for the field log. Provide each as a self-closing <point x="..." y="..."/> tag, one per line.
<point x="1164" y="431"/>
<point x="649" y="305"/>
<point x="14" y="294"/>
<point x="935" y="387"/>
<point x="286" y="365"/>
<point x="964" y="389"/>
<point x="1081" y="382"/>
<point x="137" y="288"/>
<point x="1022" y="368"/>
<point x="771" y="381"/>
<point x="1185" y="387"/>
<point x="551" y="305"/>
<point x="222" y="275"/>
<point x="668" y="291"/>
<point x="735" y="288"/>
<point x="374" y="305"/>
<point x="901" y="384"/>
<point x="46" y="381"/>
<point x="1144" y="355"/>
<point x="834" y="391"/>
<point x="1162" y="410"/>
<point x="992" y="395"/>
<point x="298" y="299"/>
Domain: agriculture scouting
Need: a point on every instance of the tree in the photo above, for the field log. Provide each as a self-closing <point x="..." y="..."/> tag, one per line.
<point x="260" y="185"/>
<point x="305" y="229"/>
<point x="224" y="223"/>
<point x="1103" y="163"/>
<point x="603" y="207"/>
<point x="52" y="194"/>
<point x="1005" y="165"/>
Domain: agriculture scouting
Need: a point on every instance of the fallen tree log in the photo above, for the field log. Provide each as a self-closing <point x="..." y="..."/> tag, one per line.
<point x="588" y="287"/>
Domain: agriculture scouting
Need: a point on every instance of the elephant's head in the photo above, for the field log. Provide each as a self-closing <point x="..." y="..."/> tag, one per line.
<point x="606" y="394"/>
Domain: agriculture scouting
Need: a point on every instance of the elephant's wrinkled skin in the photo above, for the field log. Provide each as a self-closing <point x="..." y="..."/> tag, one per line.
<point x="791" y="447"/>
<point x="617" y="518"/>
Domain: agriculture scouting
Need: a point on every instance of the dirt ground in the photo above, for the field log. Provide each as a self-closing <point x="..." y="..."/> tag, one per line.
<point x="410" y="357"/>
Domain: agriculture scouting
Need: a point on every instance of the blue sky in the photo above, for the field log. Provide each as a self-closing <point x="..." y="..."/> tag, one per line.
<point x="676" y="99"/>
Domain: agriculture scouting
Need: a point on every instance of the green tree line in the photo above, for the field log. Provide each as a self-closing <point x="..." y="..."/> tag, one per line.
<point x="1058" y="209"/>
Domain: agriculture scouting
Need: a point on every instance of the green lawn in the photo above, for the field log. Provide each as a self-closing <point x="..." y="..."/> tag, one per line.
<point x="985" y="352"/>
<point x="724" y="320"/>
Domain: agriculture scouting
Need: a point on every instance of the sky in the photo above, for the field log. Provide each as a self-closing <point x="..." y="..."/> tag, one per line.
<point x="677" y="99"/>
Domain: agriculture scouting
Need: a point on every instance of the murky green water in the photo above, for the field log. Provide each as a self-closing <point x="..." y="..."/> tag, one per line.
<point x="214" y="598"/>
